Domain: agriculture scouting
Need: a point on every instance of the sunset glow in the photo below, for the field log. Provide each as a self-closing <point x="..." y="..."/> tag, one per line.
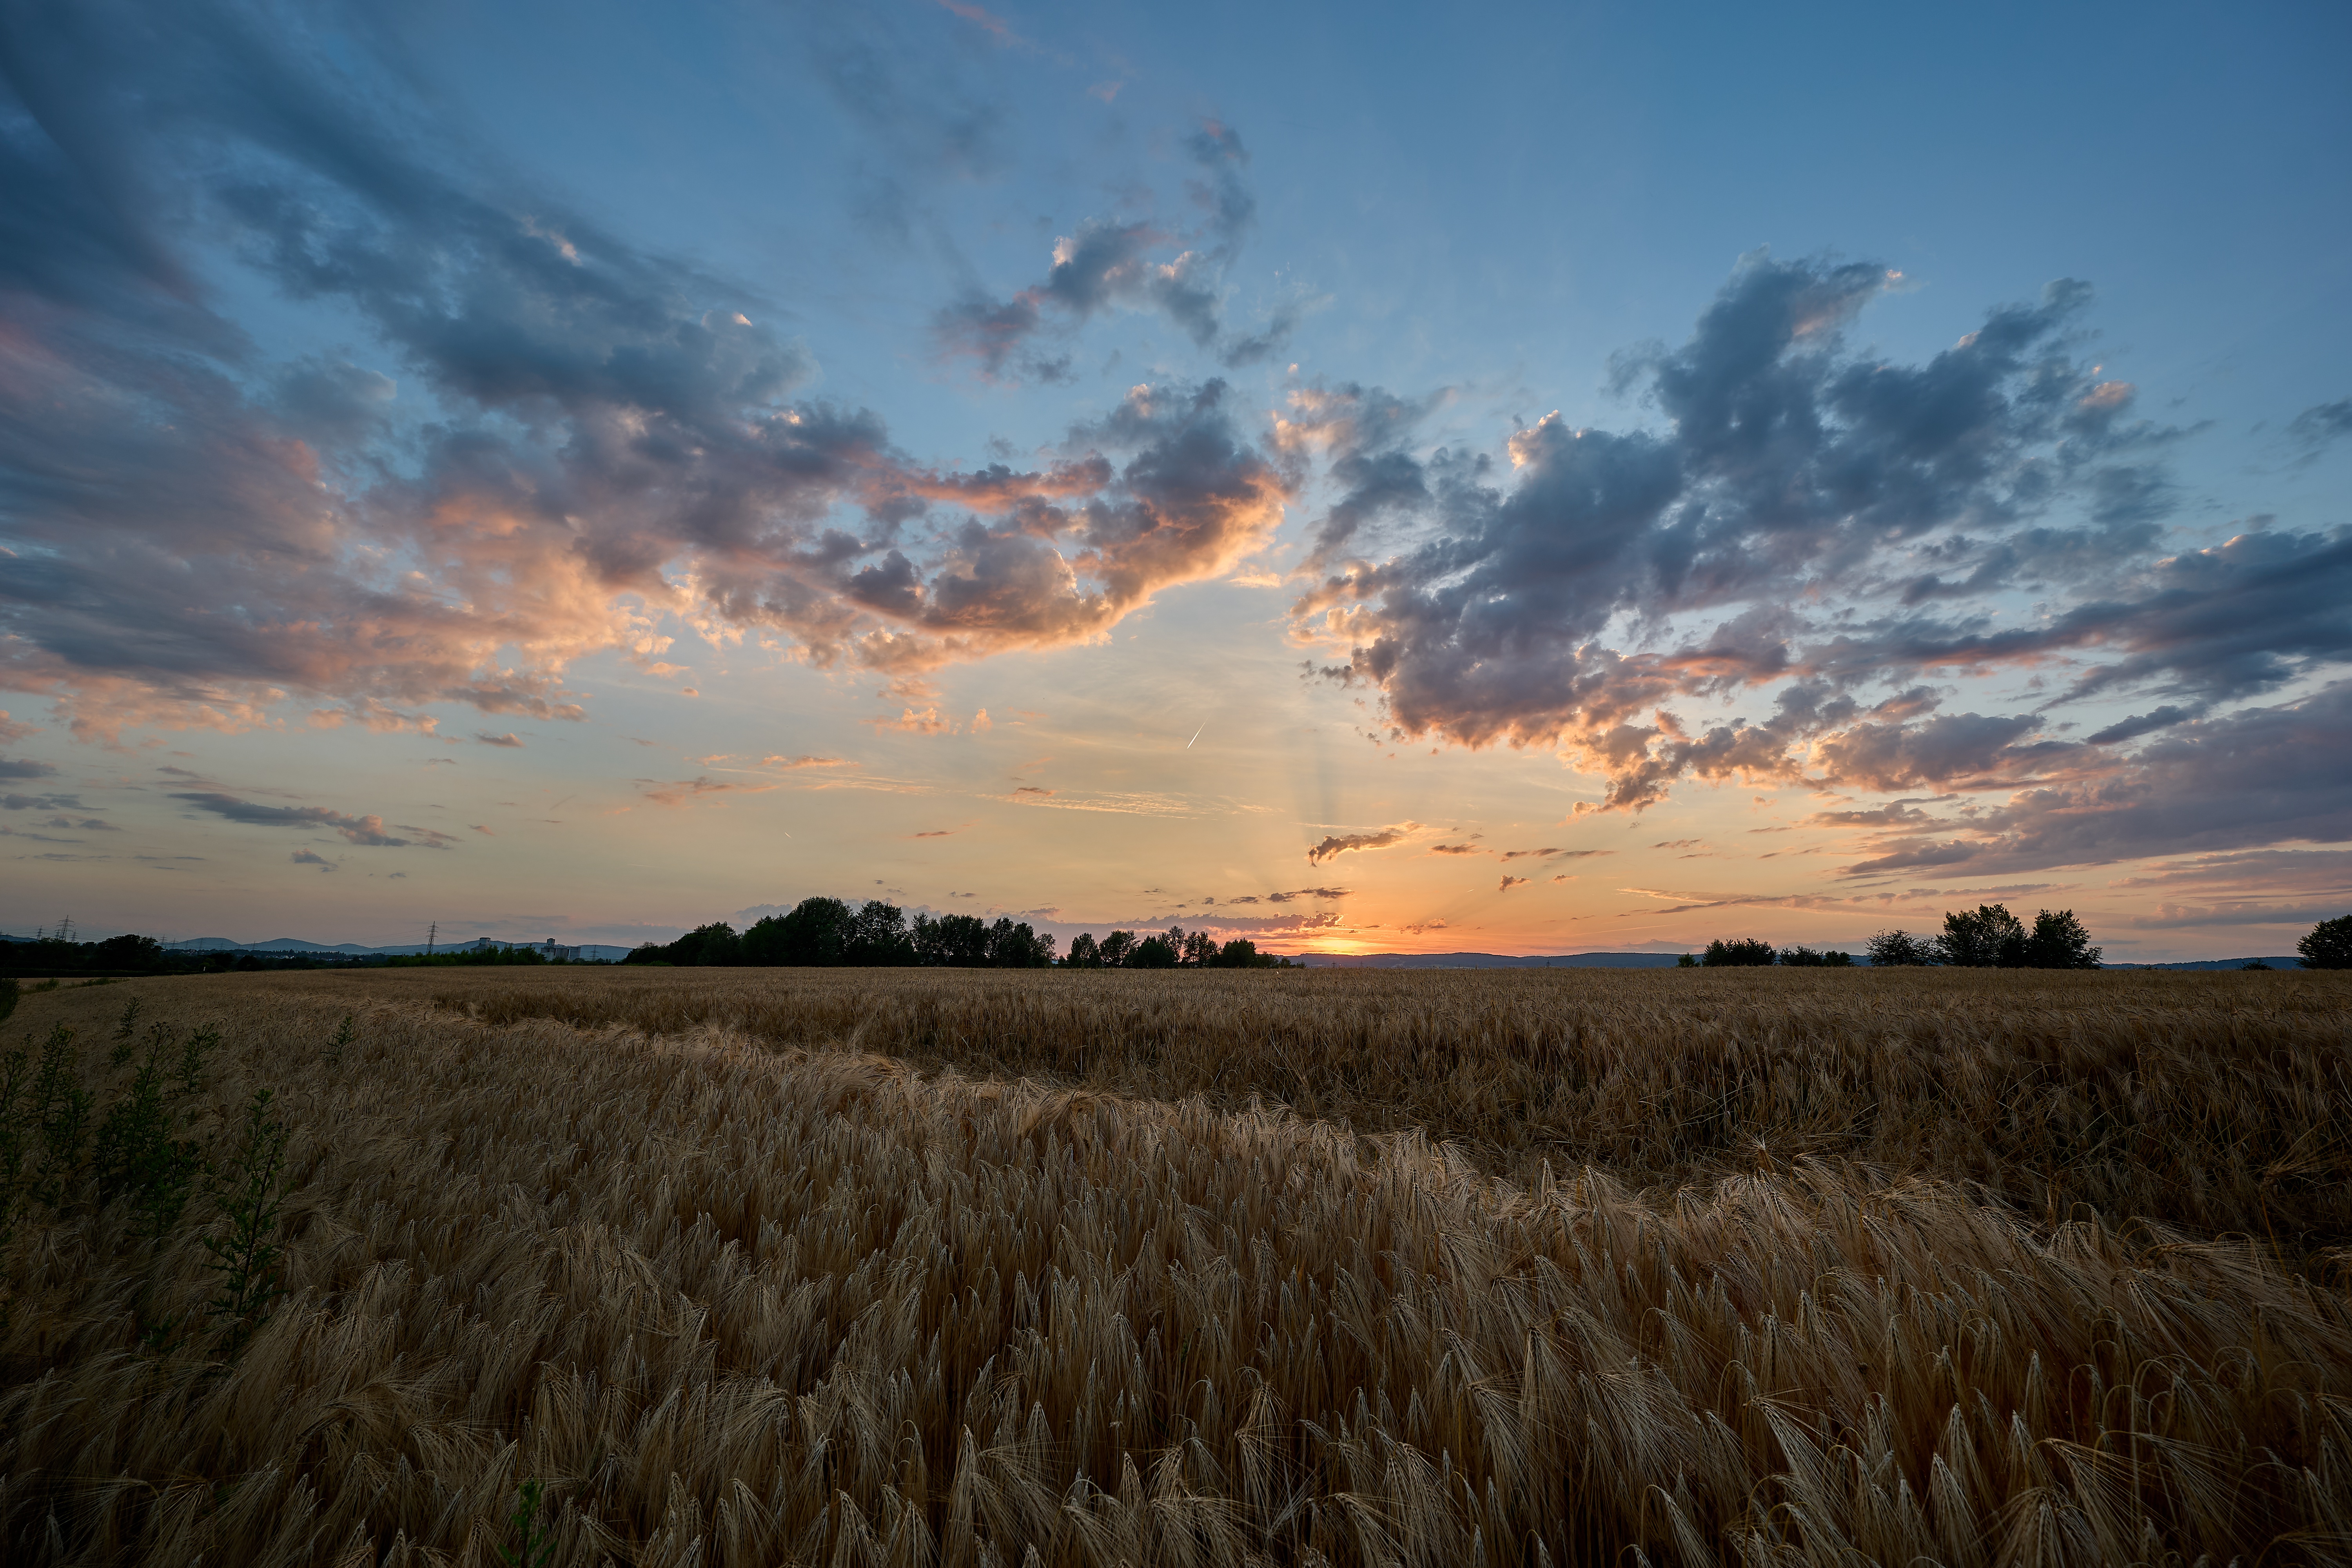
<point x="533" y="475"/>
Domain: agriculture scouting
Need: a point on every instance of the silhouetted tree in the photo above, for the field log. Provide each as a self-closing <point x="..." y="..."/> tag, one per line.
<point x="878" y="936"/>
<point x="1899" y="949"/>
<point x="1987" y="937"/>
<point x="1157" y="953"/>
<point x="816" y="933"/>
<point x="1118" y="948"/>
<point x="1085" y="953"/>
<point x="2059" y="942"/>
<point x="1800" y="957"/>
<point x="1199" y="948"/>
<point x="959" y="942"/>
<point x="1746" y="953"/>
<point x="2327" y="945"/>
<point x="1012" y="946"/>
<point x="715" y="943"/>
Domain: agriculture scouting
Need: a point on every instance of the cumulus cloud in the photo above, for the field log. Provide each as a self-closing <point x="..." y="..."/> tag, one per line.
<point x="1807" y="518"/>
<point x="556" y="439"/>
<point x="486" y="739"/>
<point x="368" y="830"/>
<point x="1344" y="843"/>
<point x="310" y="857"/>
<point x="1509" y="882"/>
<point x="26" y="769"/>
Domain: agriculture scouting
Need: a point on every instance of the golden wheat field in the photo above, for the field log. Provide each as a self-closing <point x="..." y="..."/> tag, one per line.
<point x="937" y="1267"/>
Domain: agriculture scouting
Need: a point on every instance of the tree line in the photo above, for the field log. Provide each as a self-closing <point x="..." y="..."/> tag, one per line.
<point x="825" y="932"/>
<point x="1987" y="937"/>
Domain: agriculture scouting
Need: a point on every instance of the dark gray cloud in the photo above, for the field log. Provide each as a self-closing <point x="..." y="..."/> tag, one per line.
<point x="25" y="769"/>
<point x="1180" y="271"/>
<point x="553" y="427"/>
<point x="2141" y="724"/>
<point x="2258" y="776"/>
<point x="369" y="830"/>
<point x="1841" y="520"/>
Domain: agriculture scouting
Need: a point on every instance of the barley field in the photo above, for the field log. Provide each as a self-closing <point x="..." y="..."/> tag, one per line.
<point x="922" y="1268"/>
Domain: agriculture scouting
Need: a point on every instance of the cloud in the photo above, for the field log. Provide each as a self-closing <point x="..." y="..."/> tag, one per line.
<point x="1808" y="517"/>
<point x="1535" y="854"/>
<point x="553" y="438"/>
<point x="25" y="769"/>
<point x="40" y="803"/>
<point x="1457" y="850"/>
<point x="1365" y="432"/>
<point x="307" y="858"/>
<point x="1301" y="893"/>
<point x="702" y="789"/>
<point x="486" y="739"/>
<point x="367" y="830"/>
<point x="1948" y="749"/>
<point x="2322" y="425"/>
<point x="12" y="731"/>
<point x="1509" y="882"/>
<point x="1033" y="789"/>
<point x="2261" y="775"/>
<point x="927" y="722"/>
<point x="779" y="761"/>
<point x="1106" y="263"/>
<point x="1342" y="843"/>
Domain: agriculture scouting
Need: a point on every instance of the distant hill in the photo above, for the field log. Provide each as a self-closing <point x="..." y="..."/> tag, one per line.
<point x="2289" y="961"/>
<point x="1484" y="961"/>
<point x="295" y="944"/>
<point x="1640" y="961"/>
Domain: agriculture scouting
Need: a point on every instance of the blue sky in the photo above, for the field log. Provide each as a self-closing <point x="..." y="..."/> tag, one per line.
<point x="1585" y="477"/>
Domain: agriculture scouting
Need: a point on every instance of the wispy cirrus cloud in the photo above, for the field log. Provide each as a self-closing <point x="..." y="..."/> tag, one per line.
<point x="701" y="790"/>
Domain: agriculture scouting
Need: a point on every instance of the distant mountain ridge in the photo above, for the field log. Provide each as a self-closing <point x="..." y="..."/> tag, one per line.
<point x="353" y="950"/>
<point x="1646" y="960"/>
<point x="1486" y="961"/>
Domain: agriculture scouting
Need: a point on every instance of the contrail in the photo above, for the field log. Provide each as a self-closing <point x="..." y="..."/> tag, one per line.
<point x="1196" y="734"/>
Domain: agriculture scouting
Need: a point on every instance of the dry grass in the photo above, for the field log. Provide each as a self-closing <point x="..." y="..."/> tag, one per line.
<point x="761" y="1268"/>
<point x="2215" y="1104"/>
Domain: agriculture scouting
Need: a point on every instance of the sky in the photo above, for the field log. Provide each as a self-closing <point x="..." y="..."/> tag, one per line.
<point x="1565" y="478"/>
